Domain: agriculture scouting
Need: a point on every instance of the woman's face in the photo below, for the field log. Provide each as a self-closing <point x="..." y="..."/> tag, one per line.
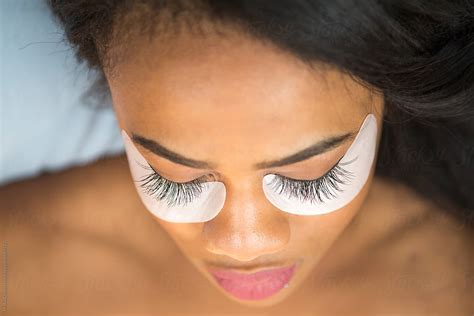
<point x="227" y="105"/>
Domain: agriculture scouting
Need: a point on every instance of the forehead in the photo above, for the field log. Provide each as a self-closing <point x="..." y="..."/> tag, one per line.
<point x="205" y="96"/>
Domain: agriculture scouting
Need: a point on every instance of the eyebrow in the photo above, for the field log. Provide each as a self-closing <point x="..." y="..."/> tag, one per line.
<point x="315" y="149"/>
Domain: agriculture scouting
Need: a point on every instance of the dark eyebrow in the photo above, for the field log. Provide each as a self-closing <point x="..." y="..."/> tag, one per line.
<point x="164" y="152"/>
<point x="313" y="150"/>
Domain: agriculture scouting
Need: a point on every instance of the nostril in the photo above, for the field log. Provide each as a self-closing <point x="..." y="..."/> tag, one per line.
<point x="245" y="246"/>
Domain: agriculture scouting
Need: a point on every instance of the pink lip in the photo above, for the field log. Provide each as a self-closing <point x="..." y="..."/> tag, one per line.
<point x="253" y="286"/>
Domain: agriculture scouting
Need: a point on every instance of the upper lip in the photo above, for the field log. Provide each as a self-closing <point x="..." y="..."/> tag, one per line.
<point x="250" y="270"/>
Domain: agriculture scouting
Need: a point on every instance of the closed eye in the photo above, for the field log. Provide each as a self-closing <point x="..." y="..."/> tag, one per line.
<point x="174" y="193"/>
<point x="316" y="190"/>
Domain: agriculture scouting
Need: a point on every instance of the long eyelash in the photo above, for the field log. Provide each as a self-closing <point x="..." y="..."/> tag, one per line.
<point x="314" y="190"/>
<point x="174" y="193"/>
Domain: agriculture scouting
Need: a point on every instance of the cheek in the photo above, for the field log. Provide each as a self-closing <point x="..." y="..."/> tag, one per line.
<point x="183" y="234"/>
<point x="317" y="232"/>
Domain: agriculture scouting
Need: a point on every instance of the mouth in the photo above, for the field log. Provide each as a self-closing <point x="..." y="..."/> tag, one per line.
<point x="254" y="286"/>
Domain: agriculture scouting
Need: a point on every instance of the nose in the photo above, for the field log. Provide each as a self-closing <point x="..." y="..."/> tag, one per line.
<point x="247" y="227"/>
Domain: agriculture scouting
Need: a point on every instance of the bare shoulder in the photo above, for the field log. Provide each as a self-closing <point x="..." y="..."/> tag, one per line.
<point x="414" y="253"/>
<point x="80" y="239"/>
<point x="60" y="188"/>
<point x="80" y="198"/>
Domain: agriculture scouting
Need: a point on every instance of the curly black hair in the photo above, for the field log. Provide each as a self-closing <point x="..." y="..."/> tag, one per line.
<point x="419" y="54"/>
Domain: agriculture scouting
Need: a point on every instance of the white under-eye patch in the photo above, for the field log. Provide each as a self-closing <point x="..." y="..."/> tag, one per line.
<point x="201" y="201"/>
<point x="191" y="203"/>
<point x="332" y="191"/>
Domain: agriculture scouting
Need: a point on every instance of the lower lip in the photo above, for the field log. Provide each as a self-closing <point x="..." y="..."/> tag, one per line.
<point x="255" y="286"/>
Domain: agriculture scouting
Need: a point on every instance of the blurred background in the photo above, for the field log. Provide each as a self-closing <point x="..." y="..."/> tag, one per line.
<point x="47" y="122"/>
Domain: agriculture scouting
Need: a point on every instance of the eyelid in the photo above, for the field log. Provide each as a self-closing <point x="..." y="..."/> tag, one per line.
<point x="203" y="178"/>
<point x="310" y="180"/>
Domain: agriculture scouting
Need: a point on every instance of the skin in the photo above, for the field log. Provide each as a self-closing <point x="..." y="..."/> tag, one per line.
<point x="233" y="102"/>
<point x="80" y="242"/>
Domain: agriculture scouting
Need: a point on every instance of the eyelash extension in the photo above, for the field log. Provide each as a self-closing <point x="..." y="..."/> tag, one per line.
<point x="313" y="190"/>
<point x="174" y="193"/>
